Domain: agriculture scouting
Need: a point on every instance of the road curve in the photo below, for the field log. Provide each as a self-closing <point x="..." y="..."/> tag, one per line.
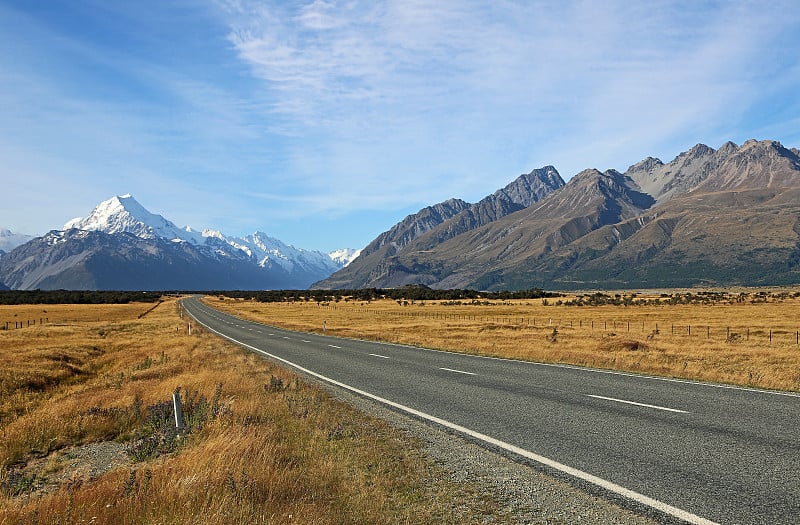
<point x="694" y="452"/>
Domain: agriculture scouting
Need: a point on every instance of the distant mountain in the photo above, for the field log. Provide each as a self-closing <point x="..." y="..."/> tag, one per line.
<point x="709" y="217"/>
<point x="344" y="256"/>
<point x="123" y="214"/>
<point x="687" y="170"/>
<point x="10" y="240"/>
<point x="436" y="224"/>
<point x="402" y="233"/>
<point x="121" y="245"/>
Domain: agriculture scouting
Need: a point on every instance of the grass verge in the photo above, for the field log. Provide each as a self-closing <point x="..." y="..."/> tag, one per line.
<point x="751" y="343"/>
<point x="93" y="387"/>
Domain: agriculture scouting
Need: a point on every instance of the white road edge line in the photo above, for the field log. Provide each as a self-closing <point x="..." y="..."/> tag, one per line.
<point x="458" y="371"/>
<point x="379" y="355"/>
<point x="594" y="370"/>
<point x="585" y="476"/>
<point x="638" y="404"/>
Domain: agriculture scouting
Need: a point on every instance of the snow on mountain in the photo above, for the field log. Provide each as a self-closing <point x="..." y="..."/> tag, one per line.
<point x="124" y="214"/>
<point x="344" y="256"/>
<point x="10" y="240"/>
<point x="269" y="251"/>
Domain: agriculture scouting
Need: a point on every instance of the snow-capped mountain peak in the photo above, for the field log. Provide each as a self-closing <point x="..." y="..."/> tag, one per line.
<point x="10" y="240"/>
<point x="123" y="213"/>
<point x="344" y="256"/>
<point x="269" y="252"/>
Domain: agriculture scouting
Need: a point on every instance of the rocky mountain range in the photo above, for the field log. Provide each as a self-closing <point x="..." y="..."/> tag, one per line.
<point x="729" y="216"/>
<point x="122" y="246"/>
<point x="10" y="240"/>
<point x="709" y="217"/>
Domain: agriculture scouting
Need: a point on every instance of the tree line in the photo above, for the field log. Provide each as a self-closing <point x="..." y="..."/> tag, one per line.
<point x="403" y="293"/>
<point x="11" y="297"/>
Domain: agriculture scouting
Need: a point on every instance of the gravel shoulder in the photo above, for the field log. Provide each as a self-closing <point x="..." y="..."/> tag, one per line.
<point x="525" y="493"/>
<point x="75" y="464"/>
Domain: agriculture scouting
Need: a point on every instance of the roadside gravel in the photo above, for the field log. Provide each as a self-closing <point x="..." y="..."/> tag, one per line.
<point x="525" y="494"/>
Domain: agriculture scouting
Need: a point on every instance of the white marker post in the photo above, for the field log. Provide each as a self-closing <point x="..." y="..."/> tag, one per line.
<point x="176" y="403"/>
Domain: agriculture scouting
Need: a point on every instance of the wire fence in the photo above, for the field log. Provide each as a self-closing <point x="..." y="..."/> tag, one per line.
<point x="28" y="323"/>
<point x="650" y="329"/>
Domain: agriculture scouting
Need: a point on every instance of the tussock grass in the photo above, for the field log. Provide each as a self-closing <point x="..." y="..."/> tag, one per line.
<point x="265" y="447"/>
<point x="725" y="342"/>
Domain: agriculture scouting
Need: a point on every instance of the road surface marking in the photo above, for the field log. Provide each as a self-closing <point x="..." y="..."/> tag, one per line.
<point x="458" y="371"/>
<point x="639" y="404"/>
<point x="334" y="346"/>
<point x="304" y="341"/>
<point x="585" y="476"/>
<point x="379" y="355"/>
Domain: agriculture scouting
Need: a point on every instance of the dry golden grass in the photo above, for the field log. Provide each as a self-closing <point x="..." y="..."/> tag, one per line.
<point x="278" y="451"/>
<point x="727" y="342"/>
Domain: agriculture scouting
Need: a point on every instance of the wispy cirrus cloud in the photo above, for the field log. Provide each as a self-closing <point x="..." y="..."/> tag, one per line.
<point x="504" y="86"/>
<point x="274" y="115"/>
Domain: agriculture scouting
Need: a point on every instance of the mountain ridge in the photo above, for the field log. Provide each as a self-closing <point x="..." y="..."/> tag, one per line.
<point x="729" y="216"/>
<point x="10" y="240"/>
<point x="656" y="224"/>
<point x="119" y="233"/>
<point x="454" y="217"/>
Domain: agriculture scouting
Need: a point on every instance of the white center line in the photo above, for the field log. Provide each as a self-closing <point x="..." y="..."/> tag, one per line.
<point x="304" y="341"/>
<point x="285" y="337"/>
<point x="457" y="371"/>
<point x="334" y="346"/>
<point x="639" y="404"/>
<point x="379" y="355"/>
<point x="585" y="476"/>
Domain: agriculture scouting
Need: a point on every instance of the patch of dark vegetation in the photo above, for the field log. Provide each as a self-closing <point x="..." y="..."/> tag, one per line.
<point x="705" y="298"/>
<point x="76" y="297"/>
<point x="624" y="345"/>
<point x="404" y="293"/>
<point x="16" y="482"/>
<point x="159" y="434"/>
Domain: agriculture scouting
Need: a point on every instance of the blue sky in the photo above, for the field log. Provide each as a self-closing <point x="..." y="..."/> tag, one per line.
<point x="323" y="123"/>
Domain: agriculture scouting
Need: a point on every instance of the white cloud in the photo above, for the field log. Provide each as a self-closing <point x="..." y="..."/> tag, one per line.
<point x="349" y="67"/>
<point x="623" y="76"/>
<point x="262" y="110"/>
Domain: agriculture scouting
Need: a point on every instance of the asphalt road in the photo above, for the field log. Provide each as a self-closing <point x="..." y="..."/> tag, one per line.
<point x="697" y="452"/>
